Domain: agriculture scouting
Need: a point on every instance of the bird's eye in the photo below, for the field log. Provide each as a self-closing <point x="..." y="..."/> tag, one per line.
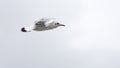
<point x="57" y="23"/>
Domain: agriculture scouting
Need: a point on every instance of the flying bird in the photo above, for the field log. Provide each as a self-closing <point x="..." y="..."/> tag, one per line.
<point x="42" y="25"/>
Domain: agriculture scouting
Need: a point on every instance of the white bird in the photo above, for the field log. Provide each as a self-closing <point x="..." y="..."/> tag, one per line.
<point x="42" y="25"/>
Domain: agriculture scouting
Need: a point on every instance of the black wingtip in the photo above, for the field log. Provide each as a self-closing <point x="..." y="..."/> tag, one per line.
<point x="23" y="29"/>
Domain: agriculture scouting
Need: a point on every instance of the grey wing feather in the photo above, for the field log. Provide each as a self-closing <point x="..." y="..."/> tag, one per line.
<point x="44" y="22"/>
<point x="41" y="23"/>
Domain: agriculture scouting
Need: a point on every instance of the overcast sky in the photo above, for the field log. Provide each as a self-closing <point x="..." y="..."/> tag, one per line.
<point x="91" y="38"/>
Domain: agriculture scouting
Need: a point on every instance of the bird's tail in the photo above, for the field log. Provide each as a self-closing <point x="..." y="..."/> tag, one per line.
<point x="23" y="29"/>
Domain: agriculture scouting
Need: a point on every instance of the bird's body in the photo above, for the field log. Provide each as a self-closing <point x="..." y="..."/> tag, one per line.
<point x="42" y="28"/>
<point x="42" y="25"/>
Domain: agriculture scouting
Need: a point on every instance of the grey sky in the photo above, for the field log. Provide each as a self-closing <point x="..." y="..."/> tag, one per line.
<point x="91" y="38"/>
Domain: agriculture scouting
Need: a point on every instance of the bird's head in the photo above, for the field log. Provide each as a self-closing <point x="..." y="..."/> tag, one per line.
<point x="58" y="24"/>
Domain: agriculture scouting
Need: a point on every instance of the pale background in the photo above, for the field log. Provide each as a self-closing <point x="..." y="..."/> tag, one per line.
<point x="91" y="38"/>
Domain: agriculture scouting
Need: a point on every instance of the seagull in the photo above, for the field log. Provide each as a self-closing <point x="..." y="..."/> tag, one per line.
<point x="42" y="25"/>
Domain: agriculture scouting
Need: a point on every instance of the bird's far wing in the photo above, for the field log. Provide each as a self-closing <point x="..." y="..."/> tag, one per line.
<point x="44" y="22"/>
<point x="40" y="23"/>
<point x="48" y="22"/>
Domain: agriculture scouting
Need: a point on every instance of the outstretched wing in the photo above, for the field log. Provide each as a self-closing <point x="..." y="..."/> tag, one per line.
<point x="44" y="22"/>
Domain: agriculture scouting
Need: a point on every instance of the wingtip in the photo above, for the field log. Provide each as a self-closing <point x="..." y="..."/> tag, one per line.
<point x="23" y="29"/>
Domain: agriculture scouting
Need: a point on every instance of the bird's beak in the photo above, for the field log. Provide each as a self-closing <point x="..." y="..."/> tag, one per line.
<point x="62" y="25"/>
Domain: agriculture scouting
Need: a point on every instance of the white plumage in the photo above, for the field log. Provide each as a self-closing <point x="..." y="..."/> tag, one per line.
<point x="43" y="24"/>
